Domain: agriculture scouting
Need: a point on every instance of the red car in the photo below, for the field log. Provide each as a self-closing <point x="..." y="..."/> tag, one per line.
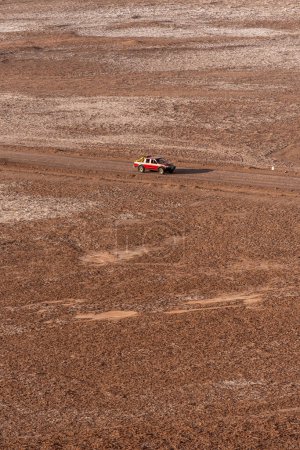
<point x="154" y="163"/>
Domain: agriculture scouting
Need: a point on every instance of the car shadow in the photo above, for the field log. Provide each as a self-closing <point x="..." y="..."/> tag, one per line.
<point x="189" y="171"/>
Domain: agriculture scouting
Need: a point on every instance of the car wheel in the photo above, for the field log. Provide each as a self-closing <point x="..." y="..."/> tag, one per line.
<point x="141" y="169"/>
<point x="161" y="170"/>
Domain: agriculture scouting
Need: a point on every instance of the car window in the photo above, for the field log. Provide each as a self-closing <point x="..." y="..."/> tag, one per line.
<point x="154" y="161"/>
<point x="147" y="161"/>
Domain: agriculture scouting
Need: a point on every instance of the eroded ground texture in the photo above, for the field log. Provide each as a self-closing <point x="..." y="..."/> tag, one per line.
<point x="140" y="311"/>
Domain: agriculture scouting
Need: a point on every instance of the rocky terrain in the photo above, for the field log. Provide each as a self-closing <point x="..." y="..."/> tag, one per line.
<point x="140" y="311"/>
<point x="213" y="81"/>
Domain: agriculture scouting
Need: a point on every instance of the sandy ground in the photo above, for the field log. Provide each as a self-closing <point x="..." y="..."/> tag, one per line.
<point x="140" y="311"/>
<point x="140" y="314"/>
<point x="206" y="81"/>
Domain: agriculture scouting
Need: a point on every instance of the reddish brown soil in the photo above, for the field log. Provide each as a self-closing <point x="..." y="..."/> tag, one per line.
<point x="146" y="311"/>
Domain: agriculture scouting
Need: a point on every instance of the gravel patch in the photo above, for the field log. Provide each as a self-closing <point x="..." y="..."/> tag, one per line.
<point x="16" y="208"/>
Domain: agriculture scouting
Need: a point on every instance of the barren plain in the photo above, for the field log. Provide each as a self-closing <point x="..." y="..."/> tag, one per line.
<point x="140" y="311"/>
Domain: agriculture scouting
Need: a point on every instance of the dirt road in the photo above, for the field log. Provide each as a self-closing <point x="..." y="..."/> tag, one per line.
<point x="196" y="174"/>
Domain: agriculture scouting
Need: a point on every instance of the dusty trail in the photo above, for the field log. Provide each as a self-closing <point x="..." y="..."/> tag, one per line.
<point x="219" y="176"/>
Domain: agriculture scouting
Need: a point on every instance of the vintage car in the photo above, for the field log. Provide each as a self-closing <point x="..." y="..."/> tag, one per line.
<point x="155" y="164"/>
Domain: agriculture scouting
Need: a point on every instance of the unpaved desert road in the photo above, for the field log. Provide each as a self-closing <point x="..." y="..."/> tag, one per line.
<point x="218" y="176"/>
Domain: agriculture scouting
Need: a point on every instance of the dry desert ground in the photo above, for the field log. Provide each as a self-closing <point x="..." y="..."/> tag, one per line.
<point x="146" y="311"/>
